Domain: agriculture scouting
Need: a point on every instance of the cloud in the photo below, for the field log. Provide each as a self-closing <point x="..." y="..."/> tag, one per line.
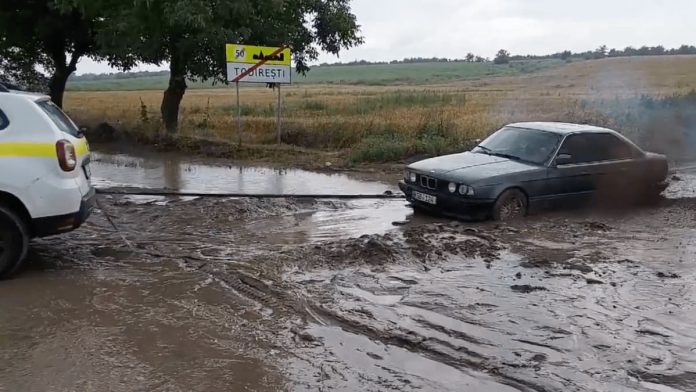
<point x="450" y="28"/>
<point x="394" y="29"/>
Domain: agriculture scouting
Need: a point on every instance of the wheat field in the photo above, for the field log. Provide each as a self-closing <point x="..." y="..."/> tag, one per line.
<point x="387" y="123"/>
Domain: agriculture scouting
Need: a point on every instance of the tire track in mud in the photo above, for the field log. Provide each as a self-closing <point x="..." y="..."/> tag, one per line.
<point x="417" y="244"/>
<point x="457" y="357"/>
<point x="261" y="279"/>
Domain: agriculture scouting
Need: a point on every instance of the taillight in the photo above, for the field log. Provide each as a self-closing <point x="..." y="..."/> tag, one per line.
<point x="67" y="159"/>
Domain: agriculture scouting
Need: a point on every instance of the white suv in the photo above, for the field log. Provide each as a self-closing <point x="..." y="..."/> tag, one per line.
<point x="44" y="174"/>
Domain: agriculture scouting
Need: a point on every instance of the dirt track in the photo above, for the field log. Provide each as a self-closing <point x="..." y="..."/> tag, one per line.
<point x="243" y="295"/>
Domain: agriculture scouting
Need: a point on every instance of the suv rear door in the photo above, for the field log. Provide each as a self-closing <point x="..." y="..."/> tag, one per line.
<point x="70" y="132"/>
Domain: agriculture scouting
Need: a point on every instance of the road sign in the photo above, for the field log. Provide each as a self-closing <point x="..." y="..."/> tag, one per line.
<point x="258" y="64"/>
<point x="250" y="54"/>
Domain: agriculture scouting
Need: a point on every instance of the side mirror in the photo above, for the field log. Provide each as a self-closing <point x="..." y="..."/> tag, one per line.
<point x="82" y="131"/>
<point x="564" y="159"/>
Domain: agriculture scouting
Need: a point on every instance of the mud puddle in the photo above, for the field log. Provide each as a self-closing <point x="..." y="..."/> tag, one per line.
<point x="88" y="314"/>
<point x="178" y="173"/>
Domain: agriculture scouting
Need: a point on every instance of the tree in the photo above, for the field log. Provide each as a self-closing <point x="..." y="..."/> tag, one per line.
<point x="657" y="50"/>
<point x="18" y="68"/>
<point x="189" y="36"/>
<point x="566" y="54"/>
<point x="600" y="52"/>
<point x="503" y="57"/>
<point x="470" y="57"/>
<point x="51" y="34"/>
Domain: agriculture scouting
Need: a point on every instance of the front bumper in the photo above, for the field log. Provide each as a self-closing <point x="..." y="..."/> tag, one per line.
<point x="448" y="204"/>
<point x="64" y="223"/>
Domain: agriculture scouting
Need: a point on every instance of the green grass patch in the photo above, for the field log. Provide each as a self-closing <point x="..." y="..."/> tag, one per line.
<point x="435" y="136"/>
<point x="405" y="99"/>
<point x="377" y="75"/>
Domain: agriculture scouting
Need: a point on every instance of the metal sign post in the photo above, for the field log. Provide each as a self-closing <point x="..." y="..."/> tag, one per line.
<point x="258" y="64"/>
<point x="239" y="118"/>
<point x="279" y="112"/>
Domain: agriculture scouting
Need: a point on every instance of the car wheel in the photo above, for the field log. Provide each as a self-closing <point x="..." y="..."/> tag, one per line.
<point x="511" y="205"/>
<point x="14" y="242"/>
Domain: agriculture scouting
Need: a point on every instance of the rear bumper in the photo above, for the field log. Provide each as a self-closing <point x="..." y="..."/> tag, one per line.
<point x="450" y="205"/>
<point x="64" y="223"/>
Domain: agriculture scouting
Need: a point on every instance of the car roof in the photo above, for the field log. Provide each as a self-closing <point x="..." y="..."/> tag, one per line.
<point x="24" y="95"/>
<point x="560" y="127"/>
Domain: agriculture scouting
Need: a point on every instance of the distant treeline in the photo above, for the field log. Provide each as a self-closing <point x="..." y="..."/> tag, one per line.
<point x="603" y="52"/>
<point x="116" y="75"/>
<point x="471" y="58"/>
<point x="598" y="53"/>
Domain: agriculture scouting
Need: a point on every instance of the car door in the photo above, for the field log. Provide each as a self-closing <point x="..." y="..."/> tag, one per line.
<point x="573" y="179"/>
<point x="615" y="166"/>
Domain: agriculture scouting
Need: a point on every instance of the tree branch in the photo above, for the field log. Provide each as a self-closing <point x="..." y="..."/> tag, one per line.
<point x="74" y="58"/>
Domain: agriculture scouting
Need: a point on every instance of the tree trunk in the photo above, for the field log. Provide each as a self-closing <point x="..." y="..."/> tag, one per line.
<point x="172" y="97"/>
<point x="56" y="85"/>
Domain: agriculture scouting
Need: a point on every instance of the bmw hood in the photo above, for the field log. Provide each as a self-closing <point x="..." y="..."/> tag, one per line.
<point x="469" y="167"/>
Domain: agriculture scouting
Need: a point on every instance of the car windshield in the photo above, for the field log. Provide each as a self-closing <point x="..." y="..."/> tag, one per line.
<point x="521" y="144"/>
<point x="59" y="118"/>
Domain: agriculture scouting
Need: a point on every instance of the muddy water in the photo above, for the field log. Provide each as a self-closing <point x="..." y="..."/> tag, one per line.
<point x="602" y="307"/>
<point x="267" y="295"/>
<point x="89" y="315"/>
<point x="178" y="173"/>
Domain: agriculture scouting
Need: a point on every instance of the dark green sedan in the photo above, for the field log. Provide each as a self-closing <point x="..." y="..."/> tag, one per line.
<point x="524" y="166"/>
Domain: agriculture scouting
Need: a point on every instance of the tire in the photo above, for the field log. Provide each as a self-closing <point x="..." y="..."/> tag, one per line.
<point x="14" y="242"/>
<point x="511" y="205"/>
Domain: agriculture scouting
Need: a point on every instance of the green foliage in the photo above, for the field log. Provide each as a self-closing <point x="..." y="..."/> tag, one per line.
<point x="50" y="34"/>
<point x="436" y="135"/>
<point x="503" y="57"/>
<point x="144" y="117"/>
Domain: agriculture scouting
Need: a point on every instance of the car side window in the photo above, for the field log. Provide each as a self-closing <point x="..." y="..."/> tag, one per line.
<point x="4" y="121"/>
<point x="610" y="148"/>
<point x="579" y="148"/>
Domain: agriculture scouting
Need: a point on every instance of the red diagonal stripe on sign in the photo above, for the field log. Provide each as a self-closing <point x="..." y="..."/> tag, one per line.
<point x="258" y="65"/>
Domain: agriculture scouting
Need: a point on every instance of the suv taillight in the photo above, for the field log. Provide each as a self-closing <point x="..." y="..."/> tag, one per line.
<point x="67" y="159"/>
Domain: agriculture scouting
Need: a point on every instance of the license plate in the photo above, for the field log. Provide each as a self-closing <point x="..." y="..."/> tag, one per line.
<point x="88" y="171"/>
<point x="425" y="198"/>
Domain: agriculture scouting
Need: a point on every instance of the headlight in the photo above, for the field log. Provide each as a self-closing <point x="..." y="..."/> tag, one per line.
<point x="452" y="187"/>
<point x="412" y="177"/>
<point x="466" y="190"/>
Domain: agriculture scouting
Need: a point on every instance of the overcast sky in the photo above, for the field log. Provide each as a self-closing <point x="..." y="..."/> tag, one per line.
<point x="394" y="29"/>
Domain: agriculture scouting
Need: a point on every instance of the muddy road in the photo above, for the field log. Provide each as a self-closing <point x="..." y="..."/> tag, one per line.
<point x="271" y="295"/>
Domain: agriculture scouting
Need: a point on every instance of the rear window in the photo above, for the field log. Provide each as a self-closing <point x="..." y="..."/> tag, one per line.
<point x="4" y="121"/>
<point x="59" y="118"/>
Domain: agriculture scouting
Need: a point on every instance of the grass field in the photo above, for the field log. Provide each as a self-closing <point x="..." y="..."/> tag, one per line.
<point x="349" y="74"/>
<point x="366" y="123"/>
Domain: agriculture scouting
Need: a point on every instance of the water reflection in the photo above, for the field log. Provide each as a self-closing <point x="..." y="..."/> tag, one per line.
<point x="177" y="173"/>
